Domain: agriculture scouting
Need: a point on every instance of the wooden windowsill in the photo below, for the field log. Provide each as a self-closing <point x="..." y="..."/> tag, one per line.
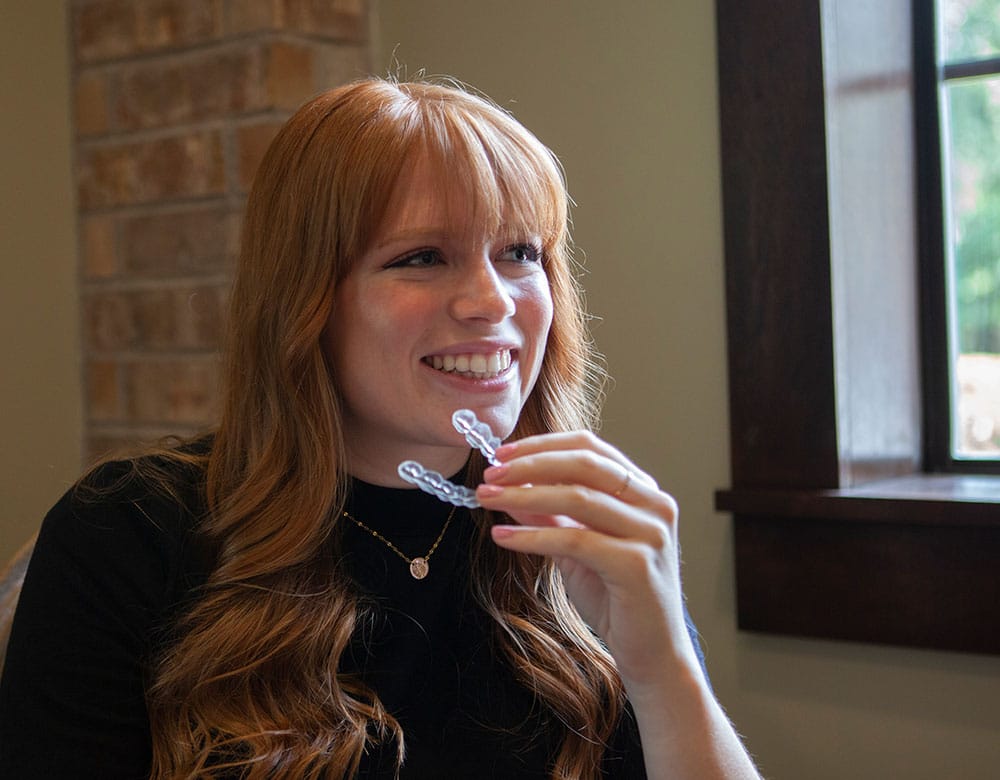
<point x="922" y="499"/>
<point x="908" y="561"/>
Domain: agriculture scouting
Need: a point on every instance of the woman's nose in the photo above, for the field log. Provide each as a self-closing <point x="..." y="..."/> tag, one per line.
<point x="482" y="293"/>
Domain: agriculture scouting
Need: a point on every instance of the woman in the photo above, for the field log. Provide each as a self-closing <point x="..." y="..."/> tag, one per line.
<point x="271" y="601"/>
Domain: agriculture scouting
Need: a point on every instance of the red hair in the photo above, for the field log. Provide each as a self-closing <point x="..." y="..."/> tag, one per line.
<point x="271" y="701"/>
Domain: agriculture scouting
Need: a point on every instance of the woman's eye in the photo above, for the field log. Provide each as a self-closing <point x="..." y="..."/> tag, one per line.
<point x="524" y="254"/>
<point x="425" y="258"/>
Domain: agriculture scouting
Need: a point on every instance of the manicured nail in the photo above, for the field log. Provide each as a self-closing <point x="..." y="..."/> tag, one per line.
<point x="495" y="472"/>
<point x="489" y="491"/>
<point x="504" y="531"/>
<point x="506" y="450"/>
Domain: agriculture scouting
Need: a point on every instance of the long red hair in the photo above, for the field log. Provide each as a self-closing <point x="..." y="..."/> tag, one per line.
<point x="251" y="680"/>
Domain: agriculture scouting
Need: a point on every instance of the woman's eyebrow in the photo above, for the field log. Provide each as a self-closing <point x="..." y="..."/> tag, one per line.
<point x="415" y="234"/>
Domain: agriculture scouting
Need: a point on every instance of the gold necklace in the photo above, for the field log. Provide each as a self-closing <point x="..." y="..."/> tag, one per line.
<point x="419" y="567"/>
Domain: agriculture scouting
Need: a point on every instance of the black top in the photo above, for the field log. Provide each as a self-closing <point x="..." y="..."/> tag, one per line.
<point x="108" y="578"/>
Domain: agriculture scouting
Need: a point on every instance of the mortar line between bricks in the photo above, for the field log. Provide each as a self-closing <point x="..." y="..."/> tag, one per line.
<point x="231" y="201"/>
<point x="134" y="283"/>
<point x="160" y="133"/>
<point x="169" y="53"/>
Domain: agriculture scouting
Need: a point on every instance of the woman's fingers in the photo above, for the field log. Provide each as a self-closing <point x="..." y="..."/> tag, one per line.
<point x="615" y="561"/>
<point x="577" y="441"/>
<point x="576" y="475"/>
<point x="593" y="508"/>
<point x="579" y="467"/>
<point x="609" y="528"/>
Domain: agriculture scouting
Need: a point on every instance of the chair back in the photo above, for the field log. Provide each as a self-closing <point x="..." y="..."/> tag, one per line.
<point x="11" y="579"/>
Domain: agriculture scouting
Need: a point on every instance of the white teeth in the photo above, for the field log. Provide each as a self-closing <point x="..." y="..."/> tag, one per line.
<point x="477" y="365"/>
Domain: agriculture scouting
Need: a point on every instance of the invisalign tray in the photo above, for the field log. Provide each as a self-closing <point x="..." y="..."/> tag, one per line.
<point x="478" y="435"/>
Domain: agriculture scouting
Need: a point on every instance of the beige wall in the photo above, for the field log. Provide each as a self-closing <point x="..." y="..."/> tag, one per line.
<point x="625" y="94"/>
<point x="39" y="365"/>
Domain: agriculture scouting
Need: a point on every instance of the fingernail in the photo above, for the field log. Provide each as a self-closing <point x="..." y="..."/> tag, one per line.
<point x="505" y="450"/>
<point x="495" y="472"/>
<point x="489" y="491"/>
<point x="504" y="531"/>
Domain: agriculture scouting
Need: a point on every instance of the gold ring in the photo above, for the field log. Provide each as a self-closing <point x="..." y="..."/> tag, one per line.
<point x="625" y="484"/>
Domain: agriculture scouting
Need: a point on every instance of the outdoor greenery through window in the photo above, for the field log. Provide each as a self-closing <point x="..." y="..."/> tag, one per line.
<point x="969" y="71"/>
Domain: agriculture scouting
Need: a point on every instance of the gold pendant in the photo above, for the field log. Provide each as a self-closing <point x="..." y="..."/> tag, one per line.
<point x="419" y="568"/>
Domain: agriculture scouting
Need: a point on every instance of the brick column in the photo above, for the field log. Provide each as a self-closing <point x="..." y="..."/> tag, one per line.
<point x="175" y="101"/>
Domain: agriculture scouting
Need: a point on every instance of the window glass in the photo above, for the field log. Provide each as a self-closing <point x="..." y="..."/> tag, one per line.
<point x="971" y="156"/>
<point x="970" y="29"/>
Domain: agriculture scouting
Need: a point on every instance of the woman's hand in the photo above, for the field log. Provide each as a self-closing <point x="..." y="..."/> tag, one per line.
<point x="613" y="534"/>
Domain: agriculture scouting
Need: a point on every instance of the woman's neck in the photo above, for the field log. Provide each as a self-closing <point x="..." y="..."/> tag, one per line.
<point x="392" y="509"/>
<point x="377" y="469"/>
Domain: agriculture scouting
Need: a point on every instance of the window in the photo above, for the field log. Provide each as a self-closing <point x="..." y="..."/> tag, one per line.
<point x="841" y="527"/>
<point x="967" y="54"/>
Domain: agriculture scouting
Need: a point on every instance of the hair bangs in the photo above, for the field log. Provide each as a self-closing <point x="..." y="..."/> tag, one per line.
<point x="509" y="183"/>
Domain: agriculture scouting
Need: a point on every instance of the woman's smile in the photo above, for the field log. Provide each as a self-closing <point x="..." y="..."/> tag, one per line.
<point x="472" y="365"/>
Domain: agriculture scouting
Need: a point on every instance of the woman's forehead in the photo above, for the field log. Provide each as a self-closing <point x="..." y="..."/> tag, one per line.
<point x="426" y="197"/>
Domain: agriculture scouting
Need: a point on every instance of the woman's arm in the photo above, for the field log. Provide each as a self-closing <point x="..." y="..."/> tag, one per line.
<point x="613" y="534"/>
<point x="72" y="700"/>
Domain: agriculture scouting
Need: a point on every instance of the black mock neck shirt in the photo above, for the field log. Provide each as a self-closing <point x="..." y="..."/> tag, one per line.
<point x="106" y="578"/>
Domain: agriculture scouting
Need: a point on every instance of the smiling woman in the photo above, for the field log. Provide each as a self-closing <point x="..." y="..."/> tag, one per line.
<point x="260" y="602"/>
<point x="435" y="292"/>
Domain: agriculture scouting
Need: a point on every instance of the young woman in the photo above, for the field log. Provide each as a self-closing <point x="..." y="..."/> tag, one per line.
<point x="273" y="601"/>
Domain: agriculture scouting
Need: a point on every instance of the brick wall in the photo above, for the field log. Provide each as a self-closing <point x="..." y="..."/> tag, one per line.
<point x="175" y="101"/>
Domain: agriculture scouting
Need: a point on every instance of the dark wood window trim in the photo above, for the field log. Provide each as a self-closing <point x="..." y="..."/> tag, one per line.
<point x="841" y="531"/>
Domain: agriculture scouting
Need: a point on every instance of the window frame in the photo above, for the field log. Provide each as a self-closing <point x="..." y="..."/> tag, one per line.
<point x="828" y="542"/>
<point x="936" y="369"/>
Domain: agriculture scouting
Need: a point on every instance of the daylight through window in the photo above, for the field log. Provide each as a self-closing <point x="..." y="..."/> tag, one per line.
<point x="969" y="72"/>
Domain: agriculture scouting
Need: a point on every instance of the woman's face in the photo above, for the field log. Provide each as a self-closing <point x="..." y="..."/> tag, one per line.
<point x="434" y="318"/>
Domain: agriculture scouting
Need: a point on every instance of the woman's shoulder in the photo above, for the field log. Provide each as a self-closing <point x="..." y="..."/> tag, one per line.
<point x="168" y="478"/>
<point x="116" y="560"/>
<point x="175" y="467"/>
<point x="137" y="512"/>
